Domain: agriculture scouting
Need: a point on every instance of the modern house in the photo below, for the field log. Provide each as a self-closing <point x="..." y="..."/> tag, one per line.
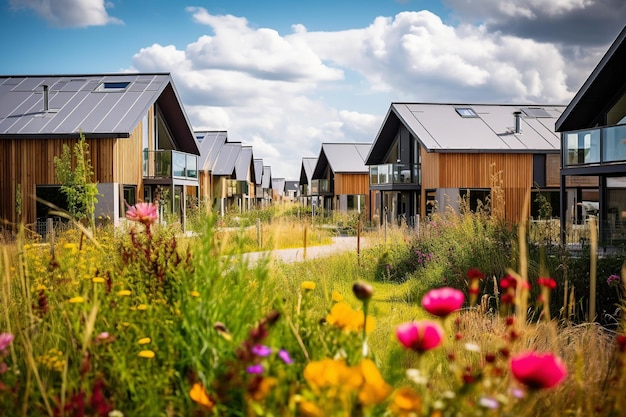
<point x="210" y="144"/>
<point x="431" y="156"/>
<point x="340" y="178"/>
<point x="243" y="186"/>
<point x="291" y="190"/>
<point x="278" y="190"/>
<point x="141" y="143"/>
<point x="266" y="186"/>
<point x="593" y="146"/>
<point x="258" y="183"/>
<point x="306" y="174"/>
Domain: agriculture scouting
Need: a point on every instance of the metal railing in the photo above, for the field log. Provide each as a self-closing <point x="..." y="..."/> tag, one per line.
<point x="395" y="174"/>
<point x="170" y="164"/>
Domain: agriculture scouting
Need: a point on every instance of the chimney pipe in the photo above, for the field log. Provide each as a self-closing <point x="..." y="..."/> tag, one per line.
<point x="518" y="121"/>
<point x="45" y="97"/>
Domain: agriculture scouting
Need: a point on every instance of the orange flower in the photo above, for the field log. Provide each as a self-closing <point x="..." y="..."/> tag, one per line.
<point x="344" y="317"/>
<point x="405" y="402"/>
<point x="264" y="388"/>
<point x="374" y="390"/>
<point x="200" y="396"/>
<point x="308" y="409"/>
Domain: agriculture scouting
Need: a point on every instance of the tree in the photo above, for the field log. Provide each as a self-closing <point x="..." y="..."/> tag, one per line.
<point x="77" y="182"/>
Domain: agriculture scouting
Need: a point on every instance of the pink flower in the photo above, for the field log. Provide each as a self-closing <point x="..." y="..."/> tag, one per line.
<point x="538" y="370"/>
<point x="547" y="282"/>
<point x="443" y="301"/>
<point x="5" y="341"/>
<point x="146" y="213"/>
<point x="420" y="336"/>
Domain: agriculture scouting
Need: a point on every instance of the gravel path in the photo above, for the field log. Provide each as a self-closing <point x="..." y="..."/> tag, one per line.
<point x="340" y="244"/>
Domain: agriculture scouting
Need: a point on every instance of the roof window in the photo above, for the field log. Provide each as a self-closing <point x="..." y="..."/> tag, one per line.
<point x="110" y="86"/>
<point x="466" y="112"/>
<point x="535" y="112"/>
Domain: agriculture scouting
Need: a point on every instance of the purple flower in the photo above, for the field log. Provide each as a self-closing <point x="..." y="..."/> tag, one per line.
<point x="261" y="350"/>
<point x="255" y="369"/>
<point x="5" y="340"/>
<point x="613" y="280"/>
<point x="284" y="355"/>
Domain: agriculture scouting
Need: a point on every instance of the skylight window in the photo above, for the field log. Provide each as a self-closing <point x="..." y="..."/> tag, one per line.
<point x="535" y="112"/>
<point x="466" y="112"/>
<point x="110" y="86"/>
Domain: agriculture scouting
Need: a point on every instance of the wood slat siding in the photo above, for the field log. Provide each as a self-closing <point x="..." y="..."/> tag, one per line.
<point x="474" y="170"/>
<point x="352" y="184"/>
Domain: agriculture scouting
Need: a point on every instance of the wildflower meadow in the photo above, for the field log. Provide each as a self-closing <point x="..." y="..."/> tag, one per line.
<point x="142" y="320"/>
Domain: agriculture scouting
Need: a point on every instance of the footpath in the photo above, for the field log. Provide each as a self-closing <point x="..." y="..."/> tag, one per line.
<point x="339" y="244"/>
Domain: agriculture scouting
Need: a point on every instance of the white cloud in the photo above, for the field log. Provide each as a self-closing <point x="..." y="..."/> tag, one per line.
<point x="285" y="94"/>
<point x="70" y="13"/>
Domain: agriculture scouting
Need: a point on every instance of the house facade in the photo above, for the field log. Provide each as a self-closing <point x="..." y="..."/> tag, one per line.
<point x="340" y="178"/>
<point x="304" y="184"/>
<point x="210" y="144"/>
<point x="431" y="156"/>
<point x="593" y="147"/>
<point x="141" y="144"/>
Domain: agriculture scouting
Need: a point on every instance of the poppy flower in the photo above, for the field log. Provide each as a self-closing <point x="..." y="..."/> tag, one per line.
<point x="443" y="301"/>
<point x="420" y="336"/>
<point x="538" y="370"/>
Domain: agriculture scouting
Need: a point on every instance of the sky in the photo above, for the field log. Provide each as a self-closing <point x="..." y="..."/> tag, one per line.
<point x="286" y="76"/>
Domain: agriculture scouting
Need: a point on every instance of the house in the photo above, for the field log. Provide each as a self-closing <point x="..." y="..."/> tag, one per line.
<point x="266" y="185"/>
<point x="258" y="183"/>
<point x="278" y="190"/>
<point x="304" y="184"/>
<point x="210" y="144"/>
<point x="431" y="156"/>
<point x="243" y="186"/>
<point x="141" y="143"/>
<point x="291" y="191"/>
<point x="593" y="147"/>
<point x="340" y="178"/>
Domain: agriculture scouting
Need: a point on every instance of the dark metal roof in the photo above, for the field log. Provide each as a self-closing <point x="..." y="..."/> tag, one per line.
<point x="342" y="158"/>
<point x="226" y="160"/>
<point x="605" y="85"/>
<point x="291" y="186"/>
<point x="306" y="170"/>
<point x="99" y="106"/>
<point x="243" y="166"/>
<point x="210" y="143"/>
<point x="258" y="171"/>
<point x="441" y="127"/>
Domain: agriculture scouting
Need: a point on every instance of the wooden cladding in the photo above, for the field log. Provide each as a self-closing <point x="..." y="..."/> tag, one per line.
<point x="352" y="184"/>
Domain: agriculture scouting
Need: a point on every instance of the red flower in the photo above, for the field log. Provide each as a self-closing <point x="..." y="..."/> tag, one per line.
<point x="474" y="273"/>
<point x="538" y="370"/>
<point x="443" y="301"/>
<point x="621" y="342"/>
<point x="547" y="282"/>
<point x="420" y="336"/>
<point x="146" y="213"/>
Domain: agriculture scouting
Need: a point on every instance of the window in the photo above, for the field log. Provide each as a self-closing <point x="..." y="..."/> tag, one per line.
<point x="475" y="198"/>
<point x="130" y="196"/>
<point x="110" y="86"/>
<point x="51" y="194"/>
<point x="466" y="112"/>
<point x="535" y="112"/>
<point x="583" y="147"/>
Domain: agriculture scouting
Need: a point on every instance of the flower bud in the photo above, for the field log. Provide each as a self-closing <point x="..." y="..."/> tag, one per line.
<point x="362" y="291"/>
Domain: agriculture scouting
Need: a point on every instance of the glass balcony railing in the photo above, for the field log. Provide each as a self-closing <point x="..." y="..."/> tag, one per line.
<point x="234" y="187"/>
<point x="320" y="187"/>
<point x="169" y="164"/>
<point x="595" y="146"/>
<point x="395" y="174"/>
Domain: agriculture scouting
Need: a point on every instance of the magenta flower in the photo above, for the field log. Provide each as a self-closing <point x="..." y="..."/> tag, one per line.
<point x="420" y="336"/>
<point x="443" y="301"/>
<point x="538" y="370"/>
<point x="146" y="213"/>
<point x="255" y="369"/>
<point x="284" y="355"/>
<point x="261" y="350"/>
<point x="5" y="341"/>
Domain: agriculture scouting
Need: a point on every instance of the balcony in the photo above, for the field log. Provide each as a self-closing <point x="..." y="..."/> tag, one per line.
<point x="170" y="164"/>
<point x="234" y="188"/>
<point x="594" y="146"/>
<point x="387" y="174"/>
<point x="320" y="187"/>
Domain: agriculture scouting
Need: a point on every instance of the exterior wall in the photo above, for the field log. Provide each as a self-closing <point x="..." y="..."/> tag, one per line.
<point x="475" y="170"/>
<point x="352" y="184"/>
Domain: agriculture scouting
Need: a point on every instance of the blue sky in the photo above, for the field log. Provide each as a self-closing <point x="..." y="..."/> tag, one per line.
<point x="286" y="76"/>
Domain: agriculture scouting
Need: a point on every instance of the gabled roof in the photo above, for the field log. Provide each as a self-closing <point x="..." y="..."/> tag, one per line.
<point x="98" y="105"/>
<point x="267" y="177"/>
<point x="306" y="170"/>
<point x="342" y="158"/>
<point x="605" y="85"/>
<point x="482" y="128"/>
<point x="210" y="144"/>
<point x="226" y="160"/>
<point x="258" y="171"/>
<point x="278" y="184"/>
<point x="291" y="186"/>
<point x="243" y="164"/>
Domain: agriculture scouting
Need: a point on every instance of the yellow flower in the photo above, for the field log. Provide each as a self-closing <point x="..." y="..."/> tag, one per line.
<point x="195" y="294"/>
<point x="200" y="396"/>
<point x="41" y="287"/>
<point x="76" y="300"/>
<point x="308" y="409"/>
<point x="332" y="373"/>
<point x="344" y="317"/>
<point x="146" y="354"/>
<point x="264" y="388"/>
<point x="374" y="390"/>
<point x="69" y="246"/>
<point x="142" y="307"/>
<point x="307" y="285"/>
<point x="405" y="402"/>
<point x="123" y="293"/>
<point x="337" y="297"/>
<point x="144" y="341"/>
<point x="97" y="279"/>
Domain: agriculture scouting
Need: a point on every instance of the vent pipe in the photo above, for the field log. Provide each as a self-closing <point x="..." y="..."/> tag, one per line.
<point x="45" y="97"/>
<point x="518" y="121"/>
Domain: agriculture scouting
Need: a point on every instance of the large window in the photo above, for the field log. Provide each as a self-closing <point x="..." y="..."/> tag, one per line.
<point x="51" y="194"/>
<point x="583" y="147"/>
